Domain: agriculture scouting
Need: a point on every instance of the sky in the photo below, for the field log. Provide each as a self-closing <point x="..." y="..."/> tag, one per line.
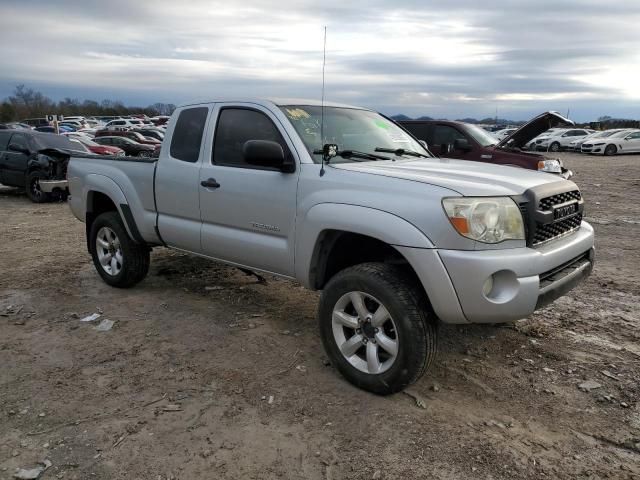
<point x="454" y="59"/>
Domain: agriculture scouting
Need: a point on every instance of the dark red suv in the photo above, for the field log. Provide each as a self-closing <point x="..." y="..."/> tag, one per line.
<point x="470" y="142"/>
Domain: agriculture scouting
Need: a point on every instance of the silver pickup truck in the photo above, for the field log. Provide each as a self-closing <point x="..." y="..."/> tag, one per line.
<point x="345" y="201"/>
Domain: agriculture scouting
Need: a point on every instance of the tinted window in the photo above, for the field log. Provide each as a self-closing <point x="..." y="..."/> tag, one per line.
<point x="237" y="126"/>
<point x="19" y="140"/>
<point x="445" y="135"/>
<point x="419" y="130"/>
<point x="187" y="136"/>
<point x="4" y="140"/>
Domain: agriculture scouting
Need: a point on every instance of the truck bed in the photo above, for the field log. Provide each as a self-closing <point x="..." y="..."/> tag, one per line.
<point x="132" y="178"/>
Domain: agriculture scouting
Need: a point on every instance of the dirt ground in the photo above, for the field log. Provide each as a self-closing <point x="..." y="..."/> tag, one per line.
<point x="208" y="374"/>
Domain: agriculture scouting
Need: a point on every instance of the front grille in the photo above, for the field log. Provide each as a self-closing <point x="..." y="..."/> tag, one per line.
<point x="549" y="212"/>
<point x="544" y="233"/>
<point x="546" y="204"/>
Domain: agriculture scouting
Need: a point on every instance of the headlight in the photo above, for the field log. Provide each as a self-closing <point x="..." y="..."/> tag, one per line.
<point x="485" y="219"/>
<point x="598" y="144"/>
<point x="550" y="166"/>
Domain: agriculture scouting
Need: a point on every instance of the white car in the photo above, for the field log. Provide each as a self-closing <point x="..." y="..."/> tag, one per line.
<point x="624" y="141"/>
<point x="123" y="124"/>
<point x="576" y="145"/>
<point x="500" y="134"/>
<point x="560" y="140"/>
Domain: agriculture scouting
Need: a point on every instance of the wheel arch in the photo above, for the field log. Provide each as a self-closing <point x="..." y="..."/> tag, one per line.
<point x="336" y="236"/>
<point x="103" y="195"/>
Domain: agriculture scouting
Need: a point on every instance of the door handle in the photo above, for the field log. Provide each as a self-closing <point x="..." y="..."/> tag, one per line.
<point x="210" y="183"/>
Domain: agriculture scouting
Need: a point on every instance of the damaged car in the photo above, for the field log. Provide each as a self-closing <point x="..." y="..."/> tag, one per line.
<point x="36" y="162"/>
<point x="466" y="141"/>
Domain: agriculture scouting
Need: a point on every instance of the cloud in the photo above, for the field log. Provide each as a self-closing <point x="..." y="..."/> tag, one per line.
<point x="419" y="57"/>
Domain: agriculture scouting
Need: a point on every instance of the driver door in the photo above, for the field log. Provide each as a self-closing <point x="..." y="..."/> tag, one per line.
<point x="248" y="212"/>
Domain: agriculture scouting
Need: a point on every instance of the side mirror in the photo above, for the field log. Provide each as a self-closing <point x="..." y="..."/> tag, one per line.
<point x="446" y="148"/>
<point x="14" y="147"/>
<point x="424" y="144"/>
<point x="265" y="153"/>
<point x="462" y="144"/>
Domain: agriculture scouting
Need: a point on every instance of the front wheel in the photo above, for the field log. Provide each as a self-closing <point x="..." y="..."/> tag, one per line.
<point x="34" y="192"/>
<point x="119" y="260"/>
<point x="610" y="150"/>
<point x="377" y="327"/>
<point x="555" y="147"/>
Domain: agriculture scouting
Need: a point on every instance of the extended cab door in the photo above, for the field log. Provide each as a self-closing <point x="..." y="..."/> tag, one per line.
<point x="177" y="180"/>
<point x="248" y="212"/>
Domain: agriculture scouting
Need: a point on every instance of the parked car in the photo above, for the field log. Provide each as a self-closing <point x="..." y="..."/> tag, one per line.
<point x="154" y="132"/>
<point x="96" y="147"/>
<point x="36" y="162"/>
<point x="576" y="145"/>
<point x="470" y="142"/>
<point x="131" y="148"/>
<point x="135" y="136"/>
<point x="393" y="237"/>
<point x="77" y="124"/>
<point x="159" y="120"/>
<point x="500" y="134"/>
<point x="36" y="122"/>
<point x="122" y="124"/>
<point x="624" y="141"/>
<point x="560" y="139"/>
<point x="19" y="126"/>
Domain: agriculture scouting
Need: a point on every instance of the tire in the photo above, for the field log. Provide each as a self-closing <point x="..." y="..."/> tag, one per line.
<point x="554" y="147"/>
<point x="125" y="263"/>
<point x="33" y="188"/>
<point x="411" y="327"/>
<point x="610" y="150"/>
<point x="144" y="154"/>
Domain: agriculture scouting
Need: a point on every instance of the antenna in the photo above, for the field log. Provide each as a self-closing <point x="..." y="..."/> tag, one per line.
<point x="324" y="60"/>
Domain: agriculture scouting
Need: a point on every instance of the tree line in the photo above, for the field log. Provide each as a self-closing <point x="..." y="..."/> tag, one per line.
<point x="29" y="103"/>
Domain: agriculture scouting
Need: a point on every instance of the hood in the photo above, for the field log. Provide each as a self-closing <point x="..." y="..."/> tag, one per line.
<point x="532" y="129"/>
<point x="464" y="177"/>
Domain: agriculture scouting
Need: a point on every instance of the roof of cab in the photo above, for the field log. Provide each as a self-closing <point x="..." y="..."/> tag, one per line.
<point x="280" y="102"/>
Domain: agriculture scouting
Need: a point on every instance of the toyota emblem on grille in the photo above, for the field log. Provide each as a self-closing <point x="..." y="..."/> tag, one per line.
<point x="564" y="211"/>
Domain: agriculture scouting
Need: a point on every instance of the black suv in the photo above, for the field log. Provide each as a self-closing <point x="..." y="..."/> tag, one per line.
<point x="28" y="158"/>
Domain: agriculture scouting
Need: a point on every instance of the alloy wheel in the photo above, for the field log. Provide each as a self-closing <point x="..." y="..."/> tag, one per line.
<point x="109" y="251"/>
<point x="364" y="332"/>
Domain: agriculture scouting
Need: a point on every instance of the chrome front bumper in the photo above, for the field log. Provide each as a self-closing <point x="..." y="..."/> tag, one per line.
<point x="49" y="186"/>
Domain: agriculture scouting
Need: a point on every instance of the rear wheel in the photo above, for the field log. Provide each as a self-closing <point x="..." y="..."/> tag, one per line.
<point x="554" y="147"/>
<point x="377" y="327"/>
<point x="144" y="154"/>
<point x="119" y="260"/>
<point x="610" y="150"/>
<point x="34" y="192"/>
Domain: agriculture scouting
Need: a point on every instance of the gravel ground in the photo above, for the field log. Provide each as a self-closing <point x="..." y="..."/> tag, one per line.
<point x="209" y="374"/>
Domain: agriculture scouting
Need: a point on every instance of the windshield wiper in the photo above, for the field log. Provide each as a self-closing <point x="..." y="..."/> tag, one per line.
<point x="354" y="154"/>
<point x="401" y="151"/>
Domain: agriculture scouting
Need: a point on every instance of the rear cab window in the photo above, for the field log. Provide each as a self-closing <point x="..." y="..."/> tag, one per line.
<point x="187" y="134"/>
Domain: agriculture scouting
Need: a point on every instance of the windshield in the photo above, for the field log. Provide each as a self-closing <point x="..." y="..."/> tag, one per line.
<point x="621" y="134"/>
<point x="480" y="135"/>
<point x="51" y="140"/>
<point x="349" y="128"/>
